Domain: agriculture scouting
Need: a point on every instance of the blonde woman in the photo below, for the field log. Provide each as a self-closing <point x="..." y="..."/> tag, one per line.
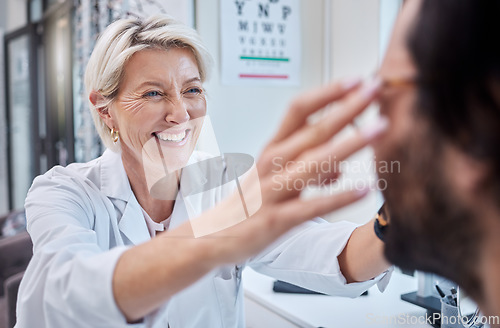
<point x="110" y="252"/>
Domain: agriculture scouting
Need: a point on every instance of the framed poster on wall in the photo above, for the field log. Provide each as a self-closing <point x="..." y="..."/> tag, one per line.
<point x="261" y="42"/>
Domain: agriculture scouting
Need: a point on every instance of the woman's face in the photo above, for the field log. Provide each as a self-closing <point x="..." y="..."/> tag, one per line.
<point x="159" y="109"/>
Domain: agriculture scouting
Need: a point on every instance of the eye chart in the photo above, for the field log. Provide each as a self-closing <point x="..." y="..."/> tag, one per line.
<point x="261" y="42"/>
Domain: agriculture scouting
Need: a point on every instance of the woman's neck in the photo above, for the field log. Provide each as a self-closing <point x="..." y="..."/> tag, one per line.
<point x="157" y="208"/>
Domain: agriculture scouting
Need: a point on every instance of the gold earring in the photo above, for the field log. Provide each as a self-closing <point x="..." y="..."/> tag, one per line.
<point x="114" y="135"/>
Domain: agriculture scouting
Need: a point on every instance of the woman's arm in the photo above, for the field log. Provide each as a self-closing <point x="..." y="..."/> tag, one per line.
<point x="363" y="256"/>
<point x="149" y="274"/>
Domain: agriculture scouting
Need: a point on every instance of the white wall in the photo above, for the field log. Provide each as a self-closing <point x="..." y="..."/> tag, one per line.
<point x="355" y="52"/>
<point x="245" y="118"/>
<point x="355" y="34"/>
<point x="360" y="32"/>
<point x="389" y="10"/>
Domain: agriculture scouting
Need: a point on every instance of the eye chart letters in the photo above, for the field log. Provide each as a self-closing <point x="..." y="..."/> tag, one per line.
<point x="261" y="42"/>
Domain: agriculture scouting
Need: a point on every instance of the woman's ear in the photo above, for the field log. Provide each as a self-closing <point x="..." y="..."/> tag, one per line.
<point x="99" y="102"/>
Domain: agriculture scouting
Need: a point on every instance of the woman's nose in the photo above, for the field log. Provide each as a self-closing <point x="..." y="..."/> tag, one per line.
<point x="177" y="113"/>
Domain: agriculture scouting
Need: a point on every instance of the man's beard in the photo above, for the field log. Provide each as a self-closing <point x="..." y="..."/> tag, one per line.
<point x="430" y="229"/>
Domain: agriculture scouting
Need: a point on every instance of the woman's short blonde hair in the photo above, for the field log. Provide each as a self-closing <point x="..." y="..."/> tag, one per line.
<point x="119" y="41"/>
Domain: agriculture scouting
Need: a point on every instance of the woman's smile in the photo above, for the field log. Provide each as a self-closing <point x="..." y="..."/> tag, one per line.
<point x="173" y="138"/>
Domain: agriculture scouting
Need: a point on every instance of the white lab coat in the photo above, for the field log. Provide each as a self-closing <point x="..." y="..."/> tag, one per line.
<point x="83" y="217"/>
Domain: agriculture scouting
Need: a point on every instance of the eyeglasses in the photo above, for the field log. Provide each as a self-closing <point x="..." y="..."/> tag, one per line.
<point x="391" y="85"/>
<point x="398" y="82"/>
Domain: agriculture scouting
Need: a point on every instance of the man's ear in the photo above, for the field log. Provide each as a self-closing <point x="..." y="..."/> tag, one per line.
<point x="100" y="105"/>
<point x="467" y="173"/>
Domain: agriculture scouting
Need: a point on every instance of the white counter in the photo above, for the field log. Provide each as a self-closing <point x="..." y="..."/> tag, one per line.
<point x="265" y="308"/>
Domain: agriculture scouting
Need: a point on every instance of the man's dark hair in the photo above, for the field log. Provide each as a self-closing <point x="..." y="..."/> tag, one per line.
<point x="455" y="46"/>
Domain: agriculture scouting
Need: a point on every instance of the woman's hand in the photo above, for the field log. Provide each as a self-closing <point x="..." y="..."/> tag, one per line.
<point x="281" y="174"/>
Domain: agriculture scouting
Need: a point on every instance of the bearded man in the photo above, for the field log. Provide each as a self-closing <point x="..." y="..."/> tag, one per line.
<point x="441" y="93"/>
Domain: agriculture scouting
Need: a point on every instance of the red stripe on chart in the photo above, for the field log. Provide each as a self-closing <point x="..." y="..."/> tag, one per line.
<point x="258" y="76"/>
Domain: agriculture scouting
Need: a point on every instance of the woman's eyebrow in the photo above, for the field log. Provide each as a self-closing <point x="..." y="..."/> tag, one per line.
<point x="194" y="79"/>
<point x="151" y="83"/>
<point x="161" y="85"/>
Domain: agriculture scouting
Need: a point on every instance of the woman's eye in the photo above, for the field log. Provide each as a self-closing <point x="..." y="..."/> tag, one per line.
<point x="152" y="94"/>
<point x="194" y="90"/>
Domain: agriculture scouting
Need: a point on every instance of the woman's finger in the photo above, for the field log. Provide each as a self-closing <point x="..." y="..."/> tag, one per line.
<point x="310" y="169"/>
<point x="310" y="102"/>
<point x="296" y="211"/>
<point x="342" y="150"/>
<point x="315" y="134"/>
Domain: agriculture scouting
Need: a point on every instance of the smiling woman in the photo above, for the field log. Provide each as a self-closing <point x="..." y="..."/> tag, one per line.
<point x="108" y="65"/>
<point x="118" y="241"/>
<point x="157" y="105"/>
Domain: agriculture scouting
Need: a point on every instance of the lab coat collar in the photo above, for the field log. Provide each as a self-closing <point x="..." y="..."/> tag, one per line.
<point x="116" y="186"/>
<point x="114" y="179"/>
<point x="133" y="224"/>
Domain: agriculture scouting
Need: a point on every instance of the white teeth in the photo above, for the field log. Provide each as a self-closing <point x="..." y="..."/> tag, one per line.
<point x="172" y="137"/>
